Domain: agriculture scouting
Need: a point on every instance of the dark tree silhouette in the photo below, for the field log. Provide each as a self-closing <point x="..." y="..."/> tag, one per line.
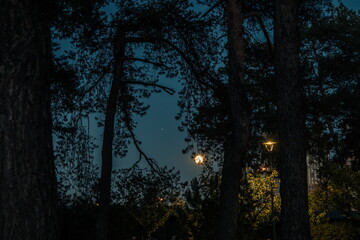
<point x="293" y="188"/>
<point x="331" y="60"/>
<point x="236" y="146"/>
<point x="27" y="177"/>
<point x="112" y="58"/>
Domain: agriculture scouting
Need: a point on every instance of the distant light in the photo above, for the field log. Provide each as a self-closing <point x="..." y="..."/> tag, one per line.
<point x="269" y="145"/>
<point x="199" y="159"/>
<point x="263" y="168"/>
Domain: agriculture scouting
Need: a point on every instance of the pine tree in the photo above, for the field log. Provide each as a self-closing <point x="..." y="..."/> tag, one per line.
<point x="27" y="172"/>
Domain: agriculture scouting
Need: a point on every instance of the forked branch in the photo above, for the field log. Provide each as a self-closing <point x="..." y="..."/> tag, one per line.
<point x="152" y="163"/>
<point x="127" y="120"/>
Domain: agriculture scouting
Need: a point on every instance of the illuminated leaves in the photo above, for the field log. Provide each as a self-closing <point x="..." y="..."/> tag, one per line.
<point x="262" y="188"/>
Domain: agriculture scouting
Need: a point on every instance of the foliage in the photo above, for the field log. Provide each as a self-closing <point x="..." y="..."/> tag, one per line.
<point x="336" y="194"/>
<point x="202" y="204"/>
<point x="334" y="231"/>
<point x="204" y="105"/>
<point x="150" y="198"/>
<point x="202" y="198"/>
<point x="341" y="187"/>
<point x="76" y="171"/>
<point x="261" y="189"/>
<point x="318" y="208"/>
<point x="331" y="57"/>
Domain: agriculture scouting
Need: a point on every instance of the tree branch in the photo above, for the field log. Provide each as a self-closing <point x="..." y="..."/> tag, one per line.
<point x="127" y="119"/>
<point x="101" y="77"/>
<point x="196" y="74"/>
<point x="152" y="163"/>
<point x="147" y="61"/>
<point x="212" y="8"/>
<point x="263" y="28"/>
<point x="166" y="89"/>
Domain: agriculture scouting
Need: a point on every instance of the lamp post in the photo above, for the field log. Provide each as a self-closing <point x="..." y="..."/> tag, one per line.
<point x="269" y="145"/>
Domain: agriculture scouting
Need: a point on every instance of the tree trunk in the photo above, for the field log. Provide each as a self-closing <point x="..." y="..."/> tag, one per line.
<point x="294" y="195"/>
<point x="27" y="176"/>
<point x="107" y="147"/>
<point x="239" y="117"/>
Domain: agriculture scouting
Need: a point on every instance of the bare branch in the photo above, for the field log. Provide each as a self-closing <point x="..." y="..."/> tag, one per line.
<point x="166" y="89"/>
<point x="224" y="35"/>
<point x="136" y="163"/>
<point x="127" y="120"/>
<point x="152" y="163"/>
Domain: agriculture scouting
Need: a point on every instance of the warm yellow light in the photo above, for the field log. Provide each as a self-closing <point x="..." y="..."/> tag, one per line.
<point x="199" y="159"/>
<point x="269" y="145"/>
<point x="263" y="169"/>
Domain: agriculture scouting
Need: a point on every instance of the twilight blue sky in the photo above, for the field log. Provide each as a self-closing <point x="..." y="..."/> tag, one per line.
<point x="354" y="4"/>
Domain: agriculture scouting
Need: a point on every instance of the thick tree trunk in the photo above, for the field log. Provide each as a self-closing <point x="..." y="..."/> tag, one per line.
<point x="27" y="176"/>
<point x="294" y="201"/>
<point x="107" y="147"/>
<point x="239" y="114"/>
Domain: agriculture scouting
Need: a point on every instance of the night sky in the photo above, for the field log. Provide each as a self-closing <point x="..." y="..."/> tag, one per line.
<point x="158" y="131"/>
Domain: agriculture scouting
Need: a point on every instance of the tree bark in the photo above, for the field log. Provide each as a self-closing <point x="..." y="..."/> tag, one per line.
<point x="239" y="118"/>
<point x="293" y="186"/>
<point x="107" y="147"/>
<point x="27" y="171"/>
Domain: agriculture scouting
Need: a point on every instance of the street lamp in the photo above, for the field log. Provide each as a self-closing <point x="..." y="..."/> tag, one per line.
<point x="269" y="145"/>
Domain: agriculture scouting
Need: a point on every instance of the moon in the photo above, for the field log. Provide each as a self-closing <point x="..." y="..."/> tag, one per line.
<point x="199" y="159"/>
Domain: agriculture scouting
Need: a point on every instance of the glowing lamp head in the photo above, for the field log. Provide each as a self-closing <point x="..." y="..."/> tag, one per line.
<point x="199" y="159"/>
<point x="269" y="145"/>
